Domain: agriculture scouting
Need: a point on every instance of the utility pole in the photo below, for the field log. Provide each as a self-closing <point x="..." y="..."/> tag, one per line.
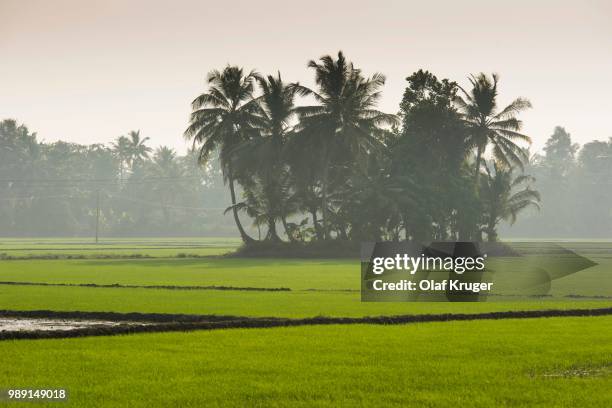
<point x="97" y="213"/>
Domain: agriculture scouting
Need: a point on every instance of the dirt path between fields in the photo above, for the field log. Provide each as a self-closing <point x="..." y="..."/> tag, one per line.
<point x="127" y="323"/>
<point x="169" y="287"/>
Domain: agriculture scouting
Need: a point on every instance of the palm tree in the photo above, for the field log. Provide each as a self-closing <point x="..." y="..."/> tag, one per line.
<point x="164" y="159"/>
<point x="265" y="152"/>
<point x="488" y="125"/>
<point x="277" y="111"/>
<point x="137" y="148"/>
<point x="121" y="148"/>
<point x="130" y="150"/>
<point x="345" y="123"/>
<point x="222" y="118"/>
<point x="501" y="200"/>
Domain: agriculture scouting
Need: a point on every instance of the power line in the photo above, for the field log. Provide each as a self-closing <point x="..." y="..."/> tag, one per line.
<point x="37" y="197"/>
<point x="99" y="180"/>
<point x="149" y="203"/>
<point x="178" y="207"/>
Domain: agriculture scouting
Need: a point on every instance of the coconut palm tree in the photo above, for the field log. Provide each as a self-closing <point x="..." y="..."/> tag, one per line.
<point x="344" y="125"/>
<point x="138" y="150"/>
<point x="164" y="159"/>
<point x="222" y="118"/>
<point x="503" y="198"/>
<point x="262" y="155"/>
<point x="487" y="125"/>
<point x="122" y="150"/>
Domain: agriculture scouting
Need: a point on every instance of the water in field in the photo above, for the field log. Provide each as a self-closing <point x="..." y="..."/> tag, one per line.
<point x="20" y="324"/>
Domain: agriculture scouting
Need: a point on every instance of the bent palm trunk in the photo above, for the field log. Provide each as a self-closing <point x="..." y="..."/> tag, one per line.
<point x="245" y="237"/>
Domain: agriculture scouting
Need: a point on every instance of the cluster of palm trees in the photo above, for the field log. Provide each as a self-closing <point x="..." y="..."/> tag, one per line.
<point x="339" y="168"/>
<point x="130" y="150"/>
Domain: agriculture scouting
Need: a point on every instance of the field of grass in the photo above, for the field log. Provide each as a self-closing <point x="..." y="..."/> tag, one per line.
<point x="555" y="362"/>
<point x="296" y="274"/>
<point x="149" y="247"/>
<point x="535" y="362"/>
<point x="241" y="303"/>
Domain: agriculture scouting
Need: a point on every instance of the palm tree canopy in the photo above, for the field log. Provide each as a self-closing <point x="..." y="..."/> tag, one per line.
<point x="121" y="147"/>
<point x="501" y="128"/>
<point x="164" y="157"/>
<point x="504" y="195"/>
<point x="277" y="101"/>
<point x="226" y="115"/>
<point x="138" y="150"/>
<point x="263" y="153"/>
<point x="345" y="117"/>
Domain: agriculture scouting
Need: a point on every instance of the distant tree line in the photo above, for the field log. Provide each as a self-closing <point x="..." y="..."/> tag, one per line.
<point x="576" y="187"/>
<point x="54" y="189"/>
<point x="321" y="163"/>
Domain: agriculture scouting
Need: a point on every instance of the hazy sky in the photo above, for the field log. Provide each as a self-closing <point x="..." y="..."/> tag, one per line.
<point x="88" y="71"/>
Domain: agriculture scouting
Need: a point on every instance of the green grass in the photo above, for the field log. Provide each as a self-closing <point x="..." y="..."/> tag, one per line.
<point x="555" y="362"/>
<point x="297" y="274"/>
<point x="282" y="304"/>
<point x="150" y="247"/>
<point x="563" y="362"/>
<point x="331" y="278"/>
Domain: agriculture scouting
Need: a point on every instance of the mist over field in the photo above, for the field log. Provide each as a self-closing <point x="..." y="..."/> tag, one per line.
<point x="154" y="129"/>
<point x="65" y="189"/>
<point x="323" y="203"/>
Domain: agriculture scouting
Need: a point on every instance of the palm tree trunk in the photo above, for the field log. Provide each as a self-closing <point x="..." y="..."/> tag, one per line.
<point x="343" y="233"/>
<point x="286" y="227"/>
<point x="491" y="233"/>
<point x="245" y="238"/>
<point x="315" y="223"/>
<point x="475" y="230"/>
<point x="478" y="160"/>
<point x="324" y="182"/>
<point x="272" y="234"/>
<point x="491" y="227"/>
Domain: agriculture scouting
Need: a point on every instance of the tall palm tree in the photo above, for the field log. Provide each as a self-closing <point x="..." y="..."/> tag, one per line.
<point x="487" y="125"/>
<point x="222" y="118"/>
<point x="263" y="154"/>
<point x="122" y="150"/>
<point x="345" y="123"/>
<point x="501" y="200"/>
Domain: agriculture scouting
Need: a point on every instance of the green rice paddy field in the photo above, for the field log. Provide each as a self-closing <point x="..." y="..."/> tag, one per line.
<point x="514" y="362"/>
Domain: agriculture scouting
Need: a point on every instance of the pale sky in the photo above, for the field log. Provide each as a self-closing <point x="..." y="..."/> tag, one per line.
<point x="87" y="72"/>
